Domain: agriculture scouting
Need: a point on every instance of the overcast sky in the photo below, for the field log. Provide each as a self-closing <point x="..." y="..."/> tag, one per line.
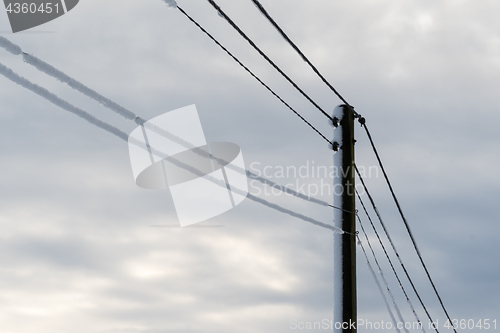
<point x="77" y="250"/>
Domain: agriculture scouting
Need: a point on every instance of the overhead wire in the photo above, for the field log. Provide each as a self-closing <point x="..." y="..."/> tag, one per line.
<point x="362" y="121"/>
<point x="129" y="115"/>
<point x="319" y="108"/>
<point x="252" y="74"/>
<point x="363" y="124"/>
<point x="388" y="258"/>
<point x="296" y="48"/>
<point x="393" y="246"/>
<point x="381" y="272"/>
<point x="377" y="282"/>
<point x="44" y="93"/>
<point x="242" y="34"/>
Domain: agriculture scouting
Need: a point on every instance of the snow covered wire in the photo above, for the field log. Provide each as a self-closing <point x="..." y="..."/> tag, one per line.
<point x="291" y="213"/>
<point x="379" y="286"/>
<point x="9" y="74"/>
<point x="55" y="73"/>
<point x="64" y="78"/>
<point x="9" y="46"/>
<point x="252" y="74"/>
<point x="242" y="34"/>
<point x="264" y="12"/>
<point x="52" y="71"/>
<point x="301" y="54"/>
<point x="388" y="258"/>
<point x="405" y="222"/>
<point x="80" y="87"/>
<point x="106" y="102"/>
<point x="393" y="246"/>
<point x="382" y="275"/>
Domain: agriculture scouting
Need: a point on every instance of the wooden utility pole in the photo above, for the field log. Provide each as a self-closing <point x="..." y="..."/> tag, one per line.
<point x="345" y="308"/>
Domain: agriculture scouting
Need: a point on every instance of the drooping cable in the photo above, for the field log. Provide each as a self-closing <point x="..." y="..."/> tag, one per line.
<point x="252" y="74"/>
<point x="47" y="95"/>
<point x="242" y="34"/>
<point x="393" y="245"/>
<point x="363" y="124"/>
<point x="129" y="115"/>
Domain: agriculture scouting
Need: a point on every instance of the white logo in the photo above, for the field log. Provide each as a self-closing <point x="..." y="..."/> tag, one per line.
<point x="170" y="151"/>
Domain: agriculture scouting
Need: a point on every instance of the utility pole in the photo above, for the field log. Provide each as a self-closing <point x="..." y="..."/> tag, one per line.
<point x="344" y="252"/>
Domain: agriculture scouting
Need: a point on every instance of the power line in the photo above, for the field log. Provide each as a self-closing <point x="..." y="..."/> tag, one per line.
<point x="252" y="74"/>
<point x="381" y="272"/>
<point x="80" y="87"/>
<point x="224" y="15"/>
<point x="362" y="121"/>
<point x="388" y="258"/>
<point x="393" y="245"/>
<point x="378" y="283"/>
<point x="344" y="210"/>
<point x="44" y="93"/>
<point x="317" y="106"/>
<point x="363" y="124"/>
<point x="296" y="48"/>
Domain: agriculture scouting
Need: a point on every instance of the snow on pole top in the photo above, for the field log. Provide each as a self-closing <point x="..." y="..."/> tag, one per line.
<point x="338" y="112"/>
<point x="171" y="3"/>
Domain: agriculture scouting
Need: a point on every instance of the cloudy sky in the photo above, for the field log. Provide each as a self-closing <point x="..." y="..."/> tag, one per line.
<point x="78" y="252"/>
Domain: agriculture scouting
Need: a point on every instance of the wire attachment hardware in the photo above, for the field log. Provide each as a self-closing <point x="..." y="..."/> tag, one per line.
<point x="335" y="122"/>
